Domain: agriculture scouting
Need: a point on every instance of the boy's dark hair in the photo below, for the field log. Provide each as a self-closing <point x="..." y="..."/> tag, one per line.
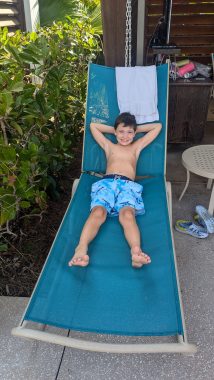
<point x="127" y="119"/>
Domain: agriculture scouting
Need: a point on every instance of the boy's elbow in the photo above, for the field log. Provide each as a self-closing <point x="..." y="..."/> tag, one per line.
<point x="159" y="126"/>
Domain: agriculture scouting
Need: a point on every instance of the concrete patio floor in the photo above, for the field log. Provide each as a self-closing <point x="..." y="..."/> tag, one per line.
<point x="30" y="360"/>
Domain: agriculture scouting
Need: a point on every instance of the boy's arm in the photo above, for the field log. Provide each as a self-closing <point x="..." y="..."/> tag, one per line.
<point x="98" y="131"/>
<point x="152" y="130"/>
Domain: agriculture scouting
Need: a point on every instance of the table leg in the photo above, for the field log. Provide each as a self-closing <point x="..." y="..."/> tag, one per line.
<point x="209" y="183"/>
<point x="211" y="204"/>
<point x="187" y="183"/>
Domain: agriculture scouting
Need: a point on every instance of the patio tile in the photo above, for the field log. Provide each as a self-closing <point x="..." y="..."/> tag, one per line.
<point x="24" y="359"/>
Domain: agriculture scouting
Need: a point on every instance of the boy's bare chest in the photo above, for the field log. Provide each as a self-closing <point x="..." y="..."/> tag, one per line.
<point x="125" y="154"/>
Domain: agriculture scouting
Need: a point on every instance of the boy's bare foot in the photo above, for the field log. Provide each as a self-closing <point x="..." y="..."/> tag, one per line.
<point x="80" y="257"/>
<point x="139" y="258"/>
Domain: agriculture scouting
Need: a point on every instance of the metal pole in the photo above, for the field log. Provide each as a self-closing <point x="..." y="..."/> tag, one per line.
<point x="31" y="9"/>
<point x="140" y="32"/>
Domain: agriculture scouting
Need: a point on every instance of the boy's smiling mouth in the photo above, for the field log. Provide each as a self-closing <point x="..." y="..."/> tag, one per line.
<point x="125" y="141"/>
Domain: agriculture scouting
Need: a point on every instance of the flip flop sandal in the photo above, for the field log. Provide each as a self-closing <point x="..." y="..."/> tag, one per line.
<point x="189" y="228"/>
<point x="206" y="217"/>
<point x="200" y="221"/>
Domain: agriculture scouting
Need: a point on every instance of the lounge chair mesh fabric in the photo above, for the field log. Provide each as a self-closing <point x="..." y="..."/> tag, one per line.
<point x="109" y="296"/>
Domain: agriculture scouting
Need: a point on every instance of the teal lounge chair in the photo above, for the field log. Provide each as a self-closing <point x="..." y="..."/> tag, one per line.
<point x="109" y="296"/>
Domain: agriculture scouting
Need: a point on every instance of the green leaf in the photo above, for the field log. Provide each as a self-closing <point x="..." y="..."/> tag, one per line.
<point x="3" y="247"/>
<point x="6" y="101"/>
<point x="33" y="50"/>
<point x="14" y="52"/>
<point x="7" y="214"/>
<point x="4" y="78"/>
<point x="7" y="153"/>
<point x="24" y="204"/>
<point x="36" y="141"/>
<point x="28" y="58"/>
<point x="40" y="98"/>
<point x="16" y="86"/>
<point x="8" y="208"/>
<point x="16" y="127"/>
<point x="62" y="140"/>
<point x="33" y="147"/>
<point x="33" y="36"/>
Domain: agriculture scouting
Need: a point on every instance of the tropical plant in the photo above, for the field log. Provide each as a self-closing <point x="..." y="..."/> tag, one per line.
<point x="42" y="94"/>
<point x="54" y="10"/>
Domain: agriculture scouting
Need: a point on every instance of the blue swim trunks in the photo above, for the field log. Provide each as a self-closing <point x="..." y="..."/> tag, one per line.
<point x="116" y="193"/>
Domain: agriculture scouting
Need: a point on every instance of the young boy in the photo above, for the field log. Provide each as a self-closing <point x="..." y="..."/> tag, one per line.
<point x="117" y="193"/>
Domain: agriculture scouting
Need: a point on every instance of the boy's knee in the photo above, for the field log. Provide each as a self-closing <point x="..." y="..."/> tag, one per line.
<point x="99" y="213"/>
<point x="126" y="215"/>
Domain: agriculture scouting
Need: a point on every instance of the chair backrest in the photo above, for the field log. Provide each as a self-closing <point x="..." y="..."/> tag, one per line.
<point x="102" y="107"/>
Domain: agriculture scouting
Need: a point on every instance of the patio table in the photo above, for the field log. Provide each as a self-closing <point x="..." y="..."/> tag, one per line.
<point x="200" y="160"/>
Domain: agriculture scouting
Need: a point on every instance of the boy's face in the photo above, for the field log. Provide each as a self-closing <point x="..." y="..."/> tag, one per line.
<point x="124" y="135"/>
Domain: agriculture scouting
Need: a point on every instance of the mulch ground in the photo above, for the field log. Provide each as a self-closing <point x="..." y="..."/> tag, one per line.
<point x="21" y="265"/>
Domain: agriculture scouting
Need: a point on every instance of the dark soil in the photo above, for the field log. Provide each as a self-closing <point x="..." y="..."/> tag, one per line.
<point x="21" y="265"/>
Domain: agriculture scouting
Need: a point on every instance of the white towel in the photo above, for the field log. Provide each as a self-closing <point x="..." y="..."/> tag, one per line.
<point x="137" y="92"/>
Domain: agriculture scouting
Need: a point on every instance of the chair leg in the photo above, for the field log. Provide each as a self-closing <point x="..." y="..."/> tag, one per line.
<point x="211" y="204"/>
<point x="185" y="187"/>
<point x="169" y="195"/>
<point x="209" y="183"/>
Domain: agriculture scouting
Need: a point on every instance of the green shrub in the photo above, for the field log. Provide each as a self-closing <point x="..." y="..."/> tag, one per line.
<point x="43" y="78"/>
